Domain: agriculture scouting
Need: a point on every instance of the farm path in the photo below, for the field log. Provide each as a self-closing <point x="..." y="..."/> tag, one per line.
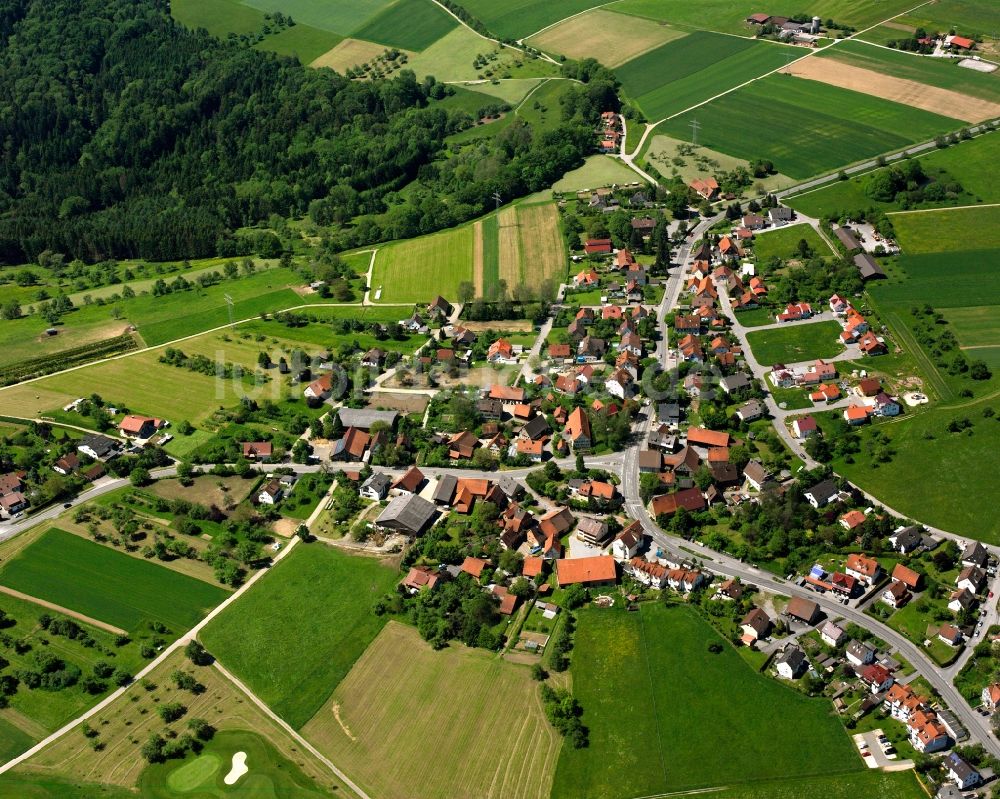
<point x="366" y="300"/>
<point x="464" y="24"/>
<point x="101" y="625"/>
<point x="565" y="19"/>
<point x="290" y="730"/>
<point x="936" y="210"/>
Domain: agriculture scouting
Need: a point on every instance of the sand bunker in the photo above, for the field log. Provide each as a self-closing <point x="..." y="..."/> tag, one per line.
<point x="238" y="770"/>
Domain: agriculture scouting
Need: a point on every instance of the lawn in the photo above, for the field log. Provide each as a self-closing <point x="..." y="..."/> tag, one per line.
<point x="806" y="128"/>
<point x="309" y="490"/>
<point x="107" y="585"/>
<point x="518" y="19"/>
<point x="317" y="598"/>
<point x="618" y="37"/>
<point x="597" y="171"/>
<point x="663" y="734"/>
<point x="417" y="269"/>
<point x="948" y="230"/>
<point x="796" y="342"/>
<point x="338" y="16"/>
<point x="410" y="24"/>
<point x="783" y="242"/>
<point x="892" y="785"/>
<point x="969" y="162"/>
<point x="685" y="72"/>
<point x="481" y="731"/>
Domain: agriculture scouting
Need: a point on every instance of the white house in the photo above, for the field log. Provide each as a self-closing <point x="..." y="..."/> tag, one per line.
<point x="831" y="634"/>
<point x="627" y="542"/>
<point x="960" y="772"/>
<point x="376" y="487"/>
<point x="791" y="663"/>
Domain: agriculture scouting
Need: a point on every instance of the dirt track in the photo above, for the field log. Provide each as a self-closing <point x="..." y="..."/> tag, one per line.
<point x="908" y="92"/>
<point x="102" y="625"/>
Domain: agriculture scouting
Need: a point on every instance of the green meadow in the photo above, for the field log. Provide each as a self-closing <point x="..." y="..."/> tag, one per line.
<point x="797" y="342"/>
<point x="409" y="24"/>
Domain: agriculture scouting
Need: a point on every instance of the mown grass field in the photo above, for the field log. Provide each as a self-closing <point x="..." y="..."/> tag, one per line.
<point x="417" y="269"/>
<point x="940" y="72"/>
<point x="118" y="769"/>
<point x="451" y="58"/>
<point x="784" y="242"/>
<point x="302" y="41"/>
<point x="948" y="231"/>
<point x="665" y="734"/>
<point x="619" y="37"/>
<point x="893" y="785"/>
<point x="728" y="16"/>
<point x="410" y="24"/>
<point x="317" y="598"/>
<point x="597" y="171"/>
<point x="796" y="342"/>
<point x="337" y="16"/>
<point x="804" y="127"/>
<point x="488" y="272"/>
<point x="969" y="17"/>
<point x="218" y="17"/>
<point x="969" y="162"/>
<point x="490" y="738"/>
<point x="107" y="585"/>
<point x="685" y="72"/>
<point x="517" y="19"/>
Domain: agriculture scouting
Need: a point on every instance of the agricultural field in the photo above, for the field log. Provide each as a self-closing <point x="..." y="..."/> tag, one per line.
<point x="451" y="58"/>
<point x="620" y="37"/>
<point x="416" y="269"/>
<point x="968" y="162"/>
<point x="946" y="231"/>
<point x="337" y="16"/>
<point x="673" y="157"/>
<point x="640" y="744"/>
<point x="783" y="243"/>
<point x="885" y="785"/>
<point x="107" y="585"/>
<point x="683" y="73"/>
<point x="301" y="41"/>
<point x="116" y="769"/>
<point x="796" y="342"/>
<point x="318" y="598"/>
<point x="218" y="17"/>
<point x="806" y="128"/>
<point x="727" y="16"/>
<point x="494" y="742"/>
<point x="518" y="19"/>
<point x="511" y="91"/>
<point x="348" y="53"/>
<point x="597" y="171"/>
<point x="969" y="17"/>
<point x="408" y="24"/>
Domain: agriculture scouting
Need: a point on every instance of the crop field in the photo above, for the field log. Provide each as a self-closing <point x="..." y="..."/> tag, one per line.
<point x="905" y="91"/>
<point x="619" y="36"/>
<point x="99" y="582"/>
<point x="302" y="41"/>
<point x="969" y="17"/>
<point x="885" y="785"/>
<point x="968" y="162"/>
<point x="728" y="16"/>
<point x="493" y="743"/>
<point x="943" y="73"/>
<point x="508" y="250"/>
<point x="664" y="735"/>
<point x="688" y="71"/>
<point x="348" y="53"/>
<point x="321" y="600"/>
<point x="487" y="254"/>
<point x="340" y="16"/>
<point x="796" y="342"/>
<point x="805" y="127"/>
<point x="517" y="19"/>
<point x="129" y="721"/>
<point x="945" y="231"/>
<point x="417" y="269"/>
<point x="25" y="338"/>
<point x="218" y="17"/>
<point x="784" y="243"/>
<point x="410" y="24"/>
<point x="451" y="58"/>
<point x="977" y="328"/>
<point x="597" y="171"/>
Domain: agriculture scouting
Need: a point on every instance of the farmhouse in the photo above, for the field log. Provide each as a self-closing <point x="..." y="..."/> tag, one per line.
<point x="418" y="578"/>
<point x="270" y="493"/>
<point x="376" y="487"/>
<point x="134" y="426"/>
<point x="707" y="188"/>
<point x="598" y="570"/>
<point x="805" y="610"/>
<point x="320" y="388"/>
<point x="100" y="448"/>
<point x="257" y="450"/>
<point x="408" y="483"/>
<point x="409" y="514"/>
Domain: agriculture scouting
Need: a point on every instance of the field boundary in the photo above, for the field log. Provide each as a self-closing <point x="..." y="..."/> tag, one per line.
<point x="945" y="208"/>
<point x="101" y="625"/>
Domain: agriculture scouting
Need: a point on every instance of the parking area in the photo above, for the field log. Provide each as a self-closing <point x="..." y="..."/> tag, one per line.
<point x="877" y="752"/>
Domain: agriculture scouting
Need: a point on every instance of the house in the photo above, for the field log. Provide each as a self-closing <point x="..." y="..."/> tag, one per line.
<point x="257" y="450"/>
<point x="927" y="734"/>
<point x="780" y="215"/>
<point x="133" y="426"/>
<point x="975" y="554"/>
<point x="409" y="483"/>
<point x="838" y="305"/>
<point x="440" y="307"/>
<point x="407" y="514"/>
<point x="508" y="601"/>
<point x="756" y="475"/>
<point x="650" y="461"/>
<point x="419" y="578"/>
<point x="895" y="594"/>
<point x="685" y="323"/>
<point x="577" y="430"/>
<point x="959" y="42"/>
<point x="852" y="519"/>
<point x="859" y="653"/>
<point x="991" y="696"/>
<point x="474" y="567"/>
<point x="685" y="580"/>
<point x="860" y="567"/>
<point x="869" y="344"/>
<point x="804" y="610"/>
<point x="755" y="625"/>
<point x="702" y="437"/>
<point x="67" y="464"/>
<point x="960" y="600"/>
<point x="501" y="351"/>
<point x="627" y="542"/>
<point x="415" y="324"/>
<point x="831" y="634"/>
<point x="559" y="351"/>
<point x="971" y="578"/>
<point x="907" y="576"/>
<point x="886" y="405"/>
<point x="960" y="772"/>
<point x="791" y="663"/>
<point x="825" y="392"/>
<point x="319" y="389"/>
<point x="364" y="418"/>
<point x="374" y="358"/>
<point x="735" y="383"/>
<point x="648" y="573"/>
<point x="556" y="522"/>
<point x="750" y="411"/>
<point x="270" y="493"/>
<point x="100" y="448"/>
<point x="804" y="427"/>
<point x="598" y="570"/>
<point x="13" y="503"/>
<point x="876" y="676"/>
<point x="461" y="446"/>
<point x="690" y="499"/>
<point x="822" y="494"/>
<point x="950" y="634"/>
<point x="597" y="247"/>
<point x="707" y="188"/>
<point x="351" y="446"/>
<point x="729" y="591"/>
<point x="532" y="567"/>
<point x="795" y="312"/>
<point x="592" y="531"/>
<point x="690" y="349"/>
<point x="856" y="414"/>
<point x="376" y="487"/>
<point x="907" y="539"/>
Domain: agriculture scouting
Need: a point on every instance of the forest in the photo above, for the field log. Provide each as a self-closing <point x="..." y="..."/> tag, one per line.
<point x="128" y="136"/>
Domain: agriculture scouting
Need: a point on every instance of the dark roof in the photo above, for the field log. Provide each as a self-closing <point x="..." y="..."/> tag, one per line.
<point x="409" y="514"/>
<point x="847" y="238"/>
<point x="380" y="481"/>
<point x="536" y="428"/>
<point x="822" y="491"/>
<point x="364" y="418"/>
<point x="102" y="445"/>
<point x="794" y="657"/>
<point x="868" y="267"/>
<point x="445" y="488"/>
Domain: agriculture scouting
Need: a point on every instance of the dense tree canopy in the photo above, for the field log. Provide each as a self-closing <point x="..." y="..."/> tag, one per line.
<point x="127" y="135"/>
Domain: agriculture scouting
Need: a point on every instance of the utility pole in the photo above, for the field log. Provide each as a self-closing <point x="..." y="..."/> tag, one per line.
<point x="695" y="125"/>
<point x="498" y="199"/>
<point x="229" y="306"/>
